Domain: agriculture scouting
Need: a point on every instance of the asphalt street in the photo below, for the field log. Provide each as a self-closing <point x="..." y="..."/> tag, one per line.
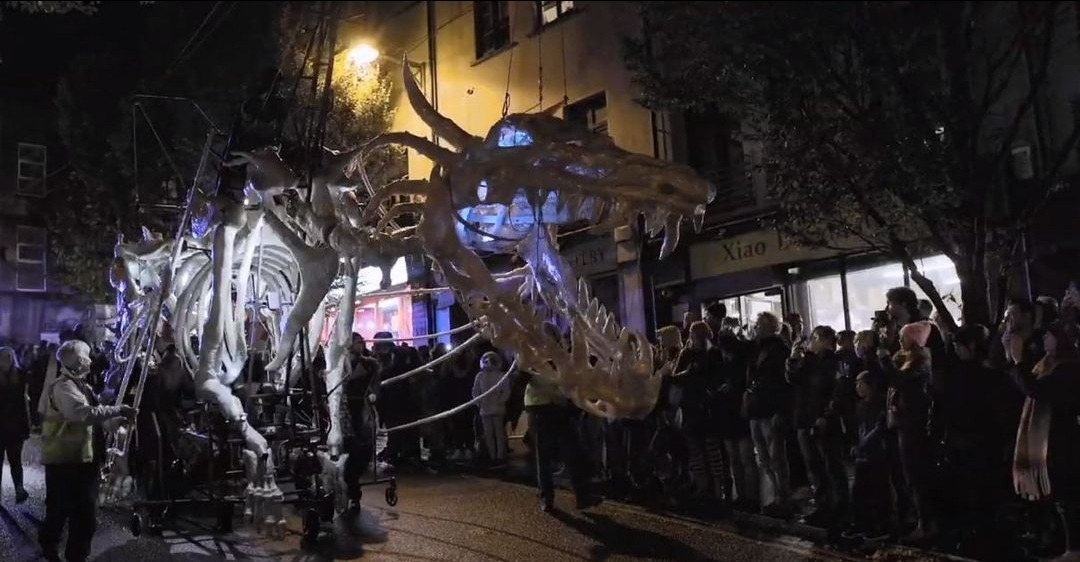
<point x="439" y="518"/>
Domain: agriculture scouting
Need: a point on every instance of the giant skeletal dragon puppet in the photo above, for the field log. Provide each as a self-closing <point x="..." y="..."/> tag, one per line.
<point x="536" y="172"/>
<point x="532" y="173"/>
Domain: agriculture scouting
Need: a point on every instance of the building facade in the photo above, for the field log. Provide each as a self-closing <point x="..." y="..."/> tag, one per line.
<point x="32" y="307"/>
<point x="478" y="61"/>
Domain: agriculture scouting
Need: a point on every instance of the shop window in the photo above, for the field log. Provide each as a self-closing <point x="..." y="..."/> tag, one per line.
<point x="492" y="27"/>
<point x="826" y="302"/>
<point x="942" y="272"/>
<point x="442" y="324"/>
<point x="746" y="308"/>
<point x="548" y="12"/>
<point x="714" y="150"/>
<point x="590" y="113"/>
<point x="866" y="292"/>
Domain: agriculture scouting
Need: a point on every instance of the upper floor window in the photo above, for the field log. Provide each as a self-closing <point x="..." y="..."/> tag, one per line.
<point x="551" y="11"/>
<point x="32" y="170"/>
<point x="492" y="26"/>
<point x="30" y="258"/>
<point x="590" y="113"/>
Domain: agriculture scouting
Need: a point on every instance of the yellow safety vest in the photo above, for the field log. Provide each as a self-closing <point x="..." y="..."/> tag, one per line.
<point x="65" y="441"/>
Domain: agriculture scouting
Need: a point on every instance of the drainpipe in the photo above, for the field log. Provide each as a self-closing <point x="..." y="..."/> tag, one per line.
<point x="432" y="30"/>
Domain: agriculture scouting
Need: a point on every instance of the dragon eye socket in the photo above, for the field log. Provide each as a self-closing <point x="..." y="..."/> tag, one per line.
<point x="666" y="189"/>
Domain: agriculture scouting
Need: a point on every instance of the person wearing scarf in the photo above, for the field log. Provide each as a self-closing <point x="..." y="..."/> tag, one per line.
<point x="1046" y="463"/>
<point x="73" y="450"/>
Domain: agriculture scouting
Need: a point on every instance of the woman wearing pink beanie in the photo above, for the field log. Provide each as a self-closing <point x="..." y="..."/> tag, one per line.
<point x="907" y="412"/>
<point x="915" y="334"/>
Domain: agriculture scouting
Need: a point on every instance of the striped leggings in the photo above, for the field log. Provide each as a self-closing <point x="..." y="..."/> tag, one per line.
<point x="706" y="460"/>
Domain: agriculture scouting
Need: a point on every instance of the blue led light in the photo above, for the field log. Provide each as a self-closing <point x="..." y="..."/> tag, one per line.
<point x="510" y="135"/>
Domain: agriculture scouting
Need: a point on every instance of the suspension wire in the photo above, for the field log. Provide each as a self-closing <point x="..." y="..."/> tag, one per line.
<point x="194" y="35"/>
<point x="161" y="143"/>
<point x="565" y="91"/>
<point x="224" y="15"/>
<point x="539" y="70"/>
<point x="506" y="95"/>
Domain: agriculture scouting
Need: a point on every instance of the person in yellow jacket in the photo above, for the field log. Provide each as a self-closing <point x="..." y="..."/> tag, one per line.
<point x="73" y="449"/>
<point x="553" y="425"/>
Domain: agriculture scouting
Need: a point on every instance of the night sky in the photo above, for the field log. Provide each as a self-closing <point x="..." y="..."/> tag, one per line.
<point x="36" y="49"/>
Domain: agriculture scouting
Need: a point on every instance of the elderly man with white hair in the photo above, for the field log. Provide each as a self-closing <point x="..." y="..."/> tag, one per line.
<point x="73" y="449"/>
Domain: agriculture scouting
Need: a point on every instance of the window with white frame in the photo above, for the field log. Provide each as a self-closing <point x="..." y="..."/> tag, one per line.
<point x="492" y="21"/>
<point x="32" y="169"/>
<point x="551" y="11"/>
<point x="30" y="258"/>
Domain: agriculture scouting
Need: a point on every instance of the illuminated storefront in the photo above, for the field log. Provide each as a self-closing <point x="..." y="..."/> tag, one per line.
<point x="756" y="271"/>
<point x="379" y="312"/>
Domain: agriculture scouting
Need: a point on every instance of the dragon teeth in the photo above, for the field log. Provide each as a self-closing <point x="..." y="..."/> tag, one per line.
<point x="671" y="235"/>
<point x="610" y="327"/>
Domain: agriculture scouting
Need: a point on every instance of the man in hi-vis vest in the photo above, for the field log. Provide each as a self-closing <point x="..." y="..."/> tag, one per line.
<point x="73" y="450"/>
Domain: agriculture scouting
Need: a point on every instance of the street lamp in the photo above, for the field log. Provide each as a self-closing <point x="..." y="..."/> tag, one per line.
<point x="363" y="55"/>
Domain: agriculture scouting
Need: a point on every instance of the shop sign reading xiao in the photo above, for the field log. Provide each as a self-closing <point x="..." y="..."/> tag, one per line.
<point x="749" y="251"/>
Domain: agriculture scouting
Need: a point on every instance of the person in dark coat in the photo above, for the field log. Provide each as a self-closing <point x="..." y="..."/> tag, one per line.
<point x="732" y="426"/>
<point x="14" y="419"/>
<point x="695" y="389"/>
<point x="980" y="408"/>
<point x="813" y="374"/>
<point x="763" y="402"/>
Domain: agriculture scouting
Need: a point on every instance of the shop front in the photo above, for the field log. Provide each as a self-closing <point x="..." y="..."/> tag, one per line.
<point x="758" y="271"/>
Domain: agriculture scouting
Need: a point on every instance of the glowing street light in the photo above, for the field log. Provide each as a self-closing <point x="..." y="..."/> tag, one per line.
<point x="363" y="55"/>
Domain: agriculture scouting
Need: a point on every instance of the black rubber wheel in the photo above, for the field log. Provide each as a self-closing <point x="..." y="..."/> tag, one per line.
<point x="391" y="496"/>
<point x="135" y="524"/>
<point x="312" y="523"/>
<point x="225" y="518"/>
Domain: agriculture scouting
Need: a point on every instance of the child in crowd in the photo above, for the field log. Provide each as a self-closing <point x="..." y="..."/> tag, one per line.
<point x="871" y="492"/>
<point x="493" y="406"/>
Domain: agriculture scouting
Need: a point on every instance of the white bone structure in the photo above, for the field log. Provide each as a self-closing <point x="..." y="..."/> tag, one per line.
<point x="507" y="193"/>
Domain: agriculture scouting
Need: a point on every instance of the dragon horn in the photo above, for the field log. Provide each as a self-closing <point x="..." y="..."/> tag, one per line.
<point x="441" y="125"/>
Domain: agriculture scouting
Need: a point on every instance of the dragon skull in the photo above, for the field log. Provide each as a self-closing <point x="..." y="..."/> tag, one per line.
<point x="509" y="192"/>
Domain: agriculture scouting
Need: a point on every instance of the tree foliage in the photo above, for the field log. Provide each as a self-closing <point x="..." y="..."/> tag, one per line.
<point x="53" y="7"/>
<point x="885" y="126"/>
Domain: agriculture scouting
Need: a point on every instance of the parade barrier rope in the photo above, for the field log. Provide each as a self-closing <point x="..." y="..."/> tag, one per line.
<point x="432" y="336"/>
<point x="430" y="364"/>
<point x="400" y="292"/>
<point x="457" y="409"/>
<point x="419" y="369"/>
